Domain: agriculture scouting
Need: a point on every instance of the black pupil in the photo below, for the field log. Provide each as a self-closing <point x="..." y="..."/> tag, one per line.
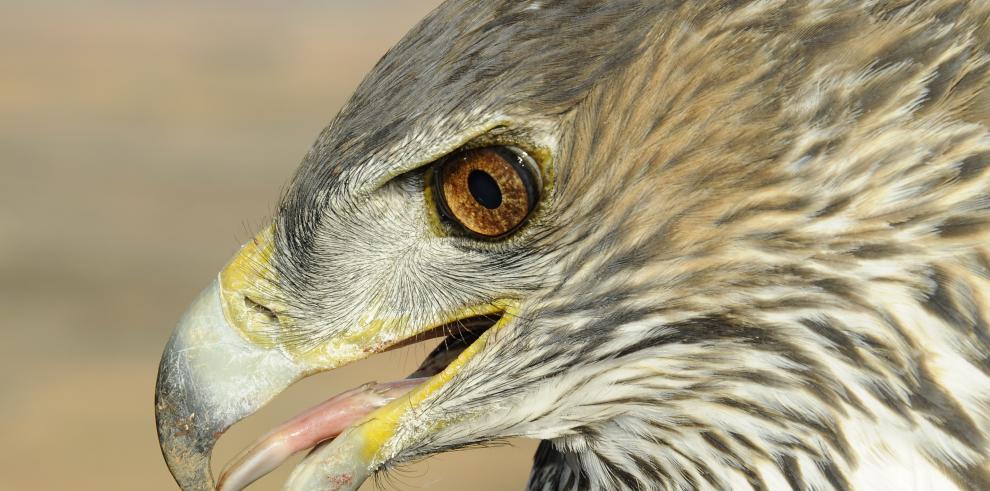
<point x="484" y="189"/>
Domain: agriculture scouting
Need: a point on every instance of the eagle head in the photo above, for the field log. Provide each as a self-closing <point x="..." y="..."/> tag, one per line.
<point x="688" y="245"/>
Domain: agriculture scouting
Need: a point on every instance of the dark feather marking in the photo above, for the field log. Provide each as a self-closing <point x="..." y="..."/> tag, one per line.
<point x="720" y="445"/>
<point x="878" y="251"/>
<point x="943" y="77"/>
<point x="620" y="475"/>
<point x="883" y="351"/>
<point x="835" y="477"/>
<point x="752" y="409"/>
<point x="697" y="330"/>
<point x="791" y="470"/>
<point x="974" y="477"/>
<point x="763" y="378"/>
<point x="746" y="442"/>
<point x="631" y="401"/>
<point x="717" y="443"/>
<point x="939" y="300"/>
<point x="980" y="263"/>
<point x="697" y="465"/>
<point x="840" y="342"/>
<point x="790" y="204"/>
<point x="962" y="226"/>
<point x="754" y="479"/>
<point x="548" y="467"/>
<point x="648" y="466"/>
<point x="940" y="409"/>
<point x="833" y="207"/>
<point x="882" y="392"/>
<point x="795" y="445"/>
<point x="973" y="166"/>
<point x="842" y="289"/>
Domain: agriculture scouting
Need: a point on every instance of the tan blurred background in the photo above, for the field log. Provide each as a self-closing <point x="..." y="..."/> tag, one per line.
<point x="141" y="141"/>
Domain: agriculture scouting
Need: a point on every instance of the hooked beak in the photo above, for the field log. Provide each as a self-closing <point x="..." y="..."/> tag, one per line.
<point x="213" y="373"/>
<point x="221" y="365"/>
<point x="210" y="377"/>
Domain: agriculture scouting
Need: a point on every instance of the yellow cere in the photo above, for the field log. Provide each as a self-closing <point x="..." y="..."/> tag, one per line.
<point x="379" y="427"/>
<point x="247" y="275"/>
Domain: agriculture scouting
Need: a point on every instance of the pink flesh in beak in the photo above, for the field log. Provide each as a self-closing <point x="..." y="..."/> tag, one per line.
<point x="318" y="424"/>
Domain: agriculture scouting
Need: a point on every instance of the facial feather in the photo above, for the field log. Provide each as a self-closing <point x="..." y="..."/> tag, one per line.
<point x="762" y="262"/>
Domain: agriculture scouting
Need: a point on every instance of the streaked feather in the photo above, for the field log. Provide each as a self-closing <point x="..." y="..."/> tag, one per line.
<point x="763" y="263"/>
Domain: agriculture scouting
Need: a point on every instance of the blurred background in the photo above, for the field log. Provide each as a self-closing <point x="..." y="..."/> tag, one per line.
<point x="141" y="141"/>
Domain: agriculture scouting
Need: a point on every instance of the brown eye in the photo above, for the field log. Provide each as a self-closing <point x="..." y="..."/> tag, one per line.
<point x="488" y="191"/>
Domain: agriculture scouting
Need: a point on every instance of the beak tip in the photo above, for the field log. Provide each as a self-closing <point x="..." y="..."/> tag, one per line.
<point x="188" y="427"/>
<point x="186" y="437"/>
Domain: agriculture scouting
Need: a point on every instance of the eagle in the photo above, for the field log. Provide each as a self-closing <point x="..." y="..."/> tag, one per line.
<point x="687" y="245"/>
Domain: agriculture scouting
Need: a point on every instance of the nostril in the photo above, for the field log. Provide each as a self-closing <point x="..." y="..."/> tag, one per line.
<point x="257" y="308"/>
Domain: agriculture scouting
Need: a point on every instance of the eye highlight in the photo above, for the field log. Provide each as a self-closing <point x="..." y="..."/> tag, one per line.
<point x="488" y="191"/>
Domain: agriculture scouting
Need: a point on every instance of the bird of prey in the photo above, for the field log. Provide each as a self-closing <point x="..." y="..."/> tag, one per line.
<point x="688" y="245"/>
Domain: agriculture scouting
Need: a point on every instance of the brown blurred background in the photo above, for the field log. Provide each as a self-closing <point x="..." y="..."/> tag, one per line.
<point x="141" y="141"/>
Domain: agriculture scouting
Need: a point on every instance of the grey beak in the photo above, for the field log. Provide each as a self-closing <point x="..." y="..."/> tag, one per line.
<point x="209" y="378"/>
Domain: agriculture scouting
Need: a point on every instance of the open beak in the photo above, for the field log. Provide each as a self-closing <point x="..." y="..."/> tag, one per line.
<point x="218" y="369"/>
<point x="210" y="377"/>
